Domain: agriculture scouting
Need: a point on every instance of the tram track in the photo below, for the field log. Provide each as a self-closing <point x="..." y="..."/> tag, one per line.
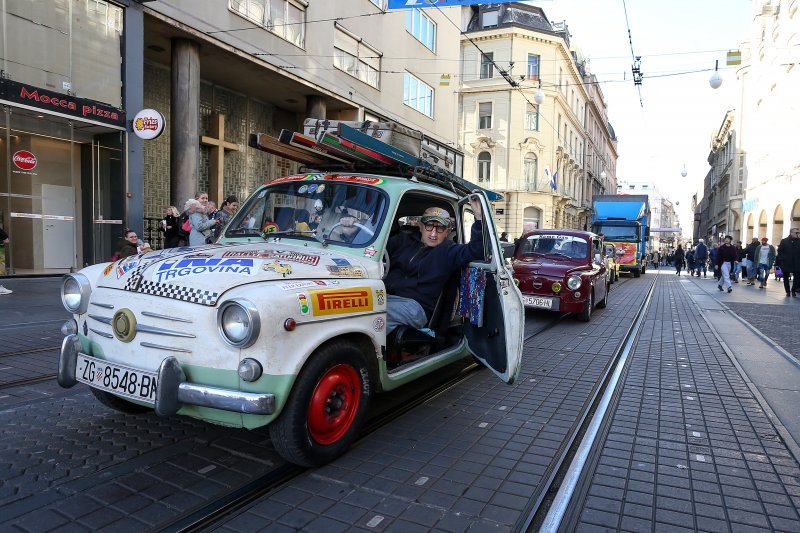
<point x="27" y="381"/>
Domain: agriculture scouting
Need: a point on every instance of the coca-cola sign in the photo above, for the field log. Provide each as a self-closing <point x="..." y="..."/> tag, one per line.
<point x="25" y="160"/>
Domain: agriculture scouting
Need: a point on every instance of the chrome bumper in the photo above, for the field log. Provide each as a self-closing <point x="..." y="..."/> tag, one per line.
<point x="173" y="391"/>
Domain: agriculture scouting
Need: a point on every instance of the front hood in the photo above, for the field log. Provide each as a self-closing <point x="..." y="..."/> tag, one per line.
<point x="537" y="267"/>
<point x="215" y="268"/>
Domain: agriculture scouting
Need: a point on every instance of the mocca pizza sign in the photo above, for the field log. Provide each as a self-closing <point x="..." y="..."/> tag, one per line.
<point x="66" y="104"/>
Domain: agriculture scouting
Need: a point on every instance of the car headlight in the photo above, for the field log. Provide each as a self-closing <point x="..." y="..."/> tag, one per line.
<point x="238" y="322"/>
<point x="75" y="292"/>
<point x="574" y="282"/>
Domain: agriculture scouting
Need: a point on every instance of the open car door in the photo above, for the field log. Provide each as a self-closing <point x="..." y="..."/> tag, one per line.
<point x="495" y="328"/>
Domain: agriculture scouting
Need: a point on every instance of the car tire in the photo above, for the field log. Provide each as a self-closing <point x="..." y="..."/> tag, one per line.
<point x="604" y="302"/>
<point x="636" y="273"/>
<point x="307" y="433"/>
<point x="118" y="404"/>
<point x="616" y="275"/>
<point x="586" y="314"/>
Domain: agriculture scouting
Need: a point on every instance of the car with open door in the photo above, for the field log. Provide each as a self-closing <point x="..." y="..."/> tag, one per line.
<point x="282" y="322"/>
<point x="562" y="270"/>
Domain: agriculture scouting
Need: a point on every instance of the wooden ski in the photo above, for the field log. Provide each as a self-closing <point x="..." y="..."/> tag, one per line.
<point x="266" y="143"/>
<point x="308" y="144"/>
<point x="337" y="144"/>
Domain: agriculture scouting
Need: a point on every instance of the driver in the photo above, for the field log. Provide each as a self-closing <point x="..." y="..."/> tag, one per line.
<point x="422" y="261"/>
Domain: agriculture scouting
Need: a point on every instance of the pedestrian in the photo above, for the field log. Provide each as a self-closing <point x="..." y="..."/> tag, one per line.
<point x="3" y="243"/>
<point x="726" y="259"/>
<point x="678" y="258"/>
<point x="224" y="214"/>
<point x="765" y="255"/>
<point x="750" y="254"/>
<point x="656" y="259"/>
<point x="712" y="258"/>
<point x="789" y="254"/>
<point x="740" y="256"/>
<point x="128" y="244"/>
<point x="690" y="261"/>
<point x="504" y="237"/>
<point x="700" y="257"/>
<point x="211" y="209"/>
<point x="198" y="220"/>
<point x="169" y="227"/>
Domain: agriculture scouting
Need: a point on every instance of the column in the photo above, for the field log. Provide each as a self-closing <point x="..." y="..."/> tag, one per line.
<point x="184" y="159"/>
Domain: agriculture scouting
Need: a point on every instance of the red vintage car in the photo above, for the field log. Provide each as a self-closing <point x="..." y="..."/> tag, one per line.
<point x="562" y="270"/>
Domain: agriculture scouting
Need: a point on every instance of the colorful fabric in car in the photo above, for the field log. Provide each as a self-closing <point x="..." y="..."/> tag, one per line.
<point x="472" y="290"/>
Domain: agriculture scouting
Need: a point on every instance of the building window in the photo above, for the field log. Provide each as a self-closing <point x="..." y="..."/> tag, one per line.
<point x="489" y="18"/>
<point x="284" y="18"/>
<point x="484" y="166"/>
<point x="484" y="115"/>
<point x="531" y="172"/>
<point x="487" y="65"/>
<point x="417" y="94"/>
<point x="355" y="57"/>
<point x="533" y="67"/>
<point x="421" y="27"/>
<point x="532" y="117"/>
<point x="380" y="3"/>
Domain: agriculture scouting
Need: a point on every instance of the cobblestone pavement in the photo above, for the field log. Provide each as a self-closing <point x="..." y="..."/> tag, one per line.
<point x="779" y="322"/>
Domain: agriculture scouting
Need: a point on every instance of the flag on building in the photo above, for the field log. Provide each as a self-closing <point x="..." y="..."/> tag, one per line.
<point x="553" y="182"/>
<point x="548" y="175"/>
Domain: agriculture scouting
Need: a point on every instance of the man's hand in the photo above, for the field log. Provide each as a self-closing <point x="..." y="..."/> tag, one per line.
<point x="475" y="202"/>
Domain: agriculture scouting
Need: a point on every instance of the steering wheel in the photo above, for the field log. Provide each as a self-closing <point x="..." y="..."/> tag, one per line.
<point x="385" y="263"/>
<point x="362" y="227"/>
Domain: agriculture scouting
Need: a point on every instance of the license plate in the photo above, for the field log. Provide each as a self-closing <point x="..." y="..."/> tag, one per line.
<point x="536" y="301"/>
<point x="119" y="379"/>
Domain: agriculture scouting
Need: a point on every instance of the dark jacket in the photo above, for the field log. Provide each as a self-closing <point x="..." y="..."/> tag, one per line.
<point x="678" y="257"/>
<point x="750" y="251"/>
<point x="420" y="272"/>
<point x="170" y="230"/>
<point x="726" y="253"/>
<point x="789" y="254"/>
<point x="126" y="248"/>
<point x="701" y="252"/>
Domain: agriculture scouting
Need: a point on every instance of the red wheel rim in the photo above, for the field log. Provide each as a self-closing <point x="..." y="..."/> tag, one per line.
<point x="334" y="404"/>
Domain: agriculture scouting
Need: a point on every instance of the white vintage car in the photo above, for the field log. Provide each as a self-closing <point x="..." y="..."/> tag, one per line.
<point x="283" y="321"/>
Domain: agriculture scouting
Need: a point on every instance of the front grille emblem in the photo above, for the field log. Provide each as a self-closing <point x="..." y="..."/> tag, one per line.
<point x="124" y="325"/>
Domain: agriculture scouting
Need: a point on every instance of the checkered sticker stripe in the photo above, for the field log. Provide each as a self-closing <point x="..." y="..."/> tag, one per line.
<point x="184" y="294"/>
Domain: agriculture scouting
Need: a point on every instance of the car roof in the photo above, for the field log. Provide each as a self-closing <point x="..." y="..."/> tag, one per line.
<point x="391" y="184"/>
<point x="568" y="232"/>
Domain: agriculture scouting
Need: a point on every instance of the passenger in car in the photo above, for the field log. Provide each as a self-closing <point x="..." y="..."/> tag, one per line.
<point x="422" y="261"/>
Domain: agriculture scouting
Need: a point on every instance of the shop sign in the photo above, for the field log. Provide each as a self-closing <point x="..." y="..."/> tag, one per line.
<point x="24" y="160"/>
<point x="66" y="104"/>
<point x="148" y="124"/>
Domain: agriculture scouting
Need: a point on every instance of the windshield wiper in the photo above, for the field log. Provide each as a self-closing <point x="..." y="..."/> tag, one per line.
<point x="243" y="231"/>
<point x="560" y="254"/>
<point x="299" y="232"/>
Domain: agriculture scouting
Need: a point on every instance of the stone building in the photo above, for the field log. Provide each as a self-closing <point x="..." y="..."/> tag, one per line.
<point x="546" y="157"/>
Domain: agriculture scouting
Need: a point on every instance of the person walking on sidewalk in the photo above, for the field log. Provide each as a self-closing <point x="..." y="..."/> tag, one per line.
<point x="726" y="259"/>
<point x="678" y="258"/>
<point x="700" y="257"/>
<point x="712" y="255"/>
<point x="3" y="244"/>
<point x="750" y="253"/>
<point x="740" y="258"/>
<point x="765" y="259"/>
<point x="789" y="254"/>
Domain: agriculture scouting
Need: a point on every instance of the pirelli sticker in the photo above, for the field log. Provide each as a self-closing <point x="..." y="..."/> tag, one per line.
<point x="341" y="301"/>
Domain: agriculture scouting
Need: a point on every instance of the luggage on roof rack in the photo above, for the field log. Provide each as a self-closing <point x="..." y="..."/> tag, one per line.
<point x="347" y="148"/>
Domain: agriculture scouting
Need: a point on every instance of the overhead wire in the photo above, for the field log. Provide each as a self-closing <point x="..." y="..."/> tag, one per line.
<point x="636" y="68"/>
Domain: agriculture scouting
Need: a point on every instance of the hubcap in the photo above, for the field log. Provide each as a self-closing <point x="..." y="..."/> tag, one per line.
<point x="334" y="404"/>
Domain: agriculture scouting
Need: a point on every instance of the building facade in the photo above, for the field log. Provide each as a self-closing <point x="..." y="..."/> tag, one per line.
<point x="547" y="158"/>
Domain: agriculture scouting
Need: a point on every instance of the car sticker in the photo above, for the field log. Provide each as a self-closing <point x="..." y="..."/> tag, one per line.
<point x="302" y="189"/>
<point x="380" y="295"/>
<point x="339" y="261"/>
<point x="303" y="299"/>
<point x="320" y="188"/>
<point x="107" y="270"/>
<point x="346" y="271"/>
<point x="378" y="324"/>
<point x="262" y="193"/>
<point x="279" y="268"/>
<point x="125" y="266"/>
<point x="269" y="227"/>
<point x="183" y="267"/>
<point x="312" y="188"/>
<point x="371" y="251"/>
<point x="281" y="255"/>
<point x="341" y="301"/>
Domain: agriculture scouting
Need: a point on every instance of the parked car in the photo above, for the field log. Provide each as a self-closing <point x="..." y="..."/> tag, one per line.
<point x="612" y="268"/>
<point x="283" y="321"/>
<point x="562" y="270"/>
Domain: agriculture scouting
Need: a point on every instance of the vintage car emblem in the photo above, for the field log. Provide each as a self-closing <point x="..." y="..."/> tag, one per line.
<point x="537" y="284"/>
<point x="124" y="325"/>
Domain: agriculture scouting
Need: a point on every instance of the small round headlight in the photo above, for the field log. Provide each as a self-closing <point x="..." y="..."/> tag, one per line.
<point x="75" y="291"/>
<point x="556" y="286"/>
<point x="239" y="323"/>
<point x="70" y="327"/>
<point x="574" y="282"/>
<point x="250" y="370"/>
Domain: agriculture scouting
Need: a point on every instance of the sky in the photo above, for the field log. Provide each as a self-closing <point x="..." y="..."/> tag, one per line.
<point x="673" y="127"/>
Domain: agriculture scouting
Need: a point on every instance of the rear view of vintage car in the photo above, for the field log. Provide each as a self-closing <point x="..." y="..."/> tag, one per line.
<point x="282" y="322"/>
<point x="561" y="270"/>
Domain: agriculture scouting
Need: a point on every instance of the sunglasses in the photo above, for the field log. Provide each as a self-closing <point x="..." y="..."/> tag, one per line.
<point x="430" y="226"/>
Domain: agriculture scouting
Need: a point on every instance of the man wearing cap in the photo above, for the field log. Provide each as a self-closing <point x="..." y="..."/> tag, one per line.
<point x="422" y="262"/>
<point x="765" y="258"/>
<point x="726" y="258"/>
<point x="789" y="254"/>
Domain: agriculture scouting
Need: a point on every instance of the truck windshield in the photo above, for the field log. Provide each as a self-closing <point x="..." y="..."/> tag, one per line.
<point x="332" y="212"/>
<point x="618" y="233"/>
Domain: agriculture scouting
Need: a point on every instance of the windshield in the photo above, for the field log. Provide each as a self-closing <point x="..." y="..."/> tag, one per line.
<point x="555" y="245"/>
<point x="617" y="233"/>
<point x="334" y="212"/>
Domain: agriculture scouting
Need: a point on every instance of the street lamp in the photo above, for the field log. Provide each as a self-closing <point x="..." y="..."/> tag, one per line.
<point x="684" y="173"/>
<point x="715" y="80"/>
<point x="603" y="175"/>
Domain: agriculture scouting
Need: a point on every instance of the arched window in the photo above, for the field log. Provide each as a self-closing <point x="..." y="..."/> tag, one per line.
<point x="531" y="172"/>
<point x="484" y="166"/>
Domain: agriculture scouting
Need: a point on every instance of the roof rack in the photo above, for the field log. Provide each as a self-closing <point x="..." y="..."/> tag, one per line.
<point x="351" y="149"/>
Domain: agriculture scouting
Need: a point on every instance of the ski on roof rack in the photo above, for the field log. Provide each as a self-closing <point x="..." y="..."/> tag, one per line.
<point x="351" y="149"/>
